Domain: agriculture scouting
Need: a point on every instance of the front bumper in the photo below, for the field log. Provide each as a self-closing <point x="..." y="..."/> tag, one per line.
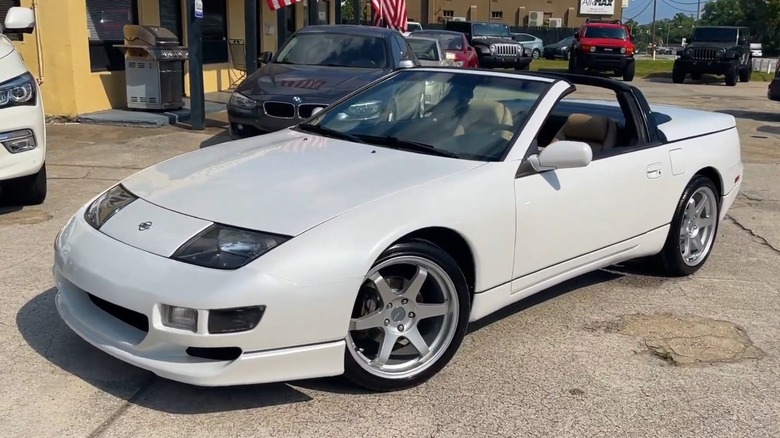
<point x="273" y="115"/>
<point x="604" y="61"/>
<point x="287" y="344"/>
<point x="489" y="60"/>
<point x="711" y="66"/>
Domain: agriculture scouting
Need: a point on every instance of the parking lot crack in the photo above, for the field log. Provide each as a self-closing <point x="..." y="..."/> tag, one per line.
<point x="103" y="427"/>
<point x="761" y="239"/>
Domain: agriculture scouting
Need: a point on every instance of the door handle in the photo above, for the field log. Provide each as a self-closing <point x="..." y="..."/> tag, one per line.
<point x="654" y="170"/>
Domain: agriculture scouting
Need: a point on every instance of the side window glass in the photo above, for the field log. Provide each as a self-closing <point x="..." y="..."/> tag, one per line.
<point x="398" y="49"/>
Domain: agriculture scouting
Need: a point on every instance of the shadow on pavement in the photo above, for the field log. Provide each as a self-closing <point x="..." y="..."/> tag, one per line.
<point x="6" y="208"/>
<point x="758" y="116"/>
<point x="43" y="329"/>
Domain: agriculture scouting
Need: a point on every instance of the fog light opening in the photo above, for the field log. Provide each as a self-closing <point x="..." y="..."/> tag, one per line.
<point x="182" y="318"/>
<point x="18" y="141"/>
<point x="239" y="319"/>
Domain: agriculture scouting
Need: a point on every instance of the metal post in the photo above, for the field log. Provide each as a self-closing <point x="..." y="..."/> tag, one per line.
<point x="250" y="26"/>
<point x="698" y="8"/>
<point x="358" y="12"/>
<point x="281" y="26"/>
<point x="338" y="19"/>
<point x="314" y="13"/>
<point x="652" y="34"/>
<point x="195" y="48"/>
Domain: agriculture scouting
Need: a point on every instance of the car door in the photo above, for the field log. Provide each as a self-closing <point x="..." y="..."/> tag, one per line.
<point x="567" y="219"/>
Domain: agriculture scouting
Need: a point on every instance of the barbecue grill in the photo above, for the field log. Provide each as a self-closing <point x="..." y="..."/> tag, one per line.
<point x="154" y="68"/>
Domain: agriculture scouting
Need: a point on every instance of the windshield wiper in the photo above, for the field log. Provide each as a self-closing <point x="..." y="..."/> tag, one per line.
<point x="317" y="129"/>
<point x="408" y="145"/>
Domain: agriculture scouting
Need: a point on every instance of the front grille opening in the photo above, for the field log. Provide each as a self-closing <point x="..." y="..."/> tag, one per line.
<point x="279" y="109"/>
<point x="221" y="353"/>
<point x="129" y="317"/>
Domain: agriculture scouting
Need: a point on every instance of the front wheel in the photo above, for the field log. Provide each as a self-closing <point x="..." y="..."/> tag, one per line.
<point x="536" y="53"/>
<point x="409" y="318"/>
<point x="678" y="74"/>
<point x="26" y="190"/>
<point x="746" y="73"/>
<point x="628" y="72"/>
<point x="693" y="229"/>
<point x="731" y="75"/>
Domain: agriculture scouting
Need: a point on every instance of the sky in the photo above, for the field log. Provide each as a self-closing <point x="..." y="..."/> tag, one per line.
<point x="642" y="10"/>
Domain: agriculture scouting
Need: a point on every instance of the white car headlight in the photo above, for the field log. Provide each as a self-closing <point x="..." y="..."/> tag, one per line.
<point x="224" y="247"/>
<point x="239" y="100"/>
<point x="107" y="205"/>
<point x="18" y="91"/>
<point x="362" y="111"/>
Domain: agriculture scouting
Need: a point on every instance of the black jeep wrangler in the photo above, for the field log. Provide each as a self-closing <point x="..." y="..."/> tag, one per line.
<point x="718" y="50"/>
<point x="493" y="43"/>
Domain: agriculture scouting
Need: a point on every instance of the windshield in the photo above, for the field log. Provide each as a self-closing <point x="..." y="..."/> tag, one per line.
<point x="715" y="35"/>
<point x="425" y="50"/>
<point x="567" y="41"/>
<point x="464" y="115"/>
<point x="335" y="49"/>
<point x="447" y="41"/>
<point x="605" y="32"/>
<point x="411" y="27"/>
<point x="491" y="30"/>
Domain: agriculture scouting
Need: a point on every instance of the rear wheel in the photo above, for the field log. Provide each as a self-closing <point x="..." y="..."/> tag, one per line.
<point x="536" y="54"/>
<point x="693" y="229"/>
<point x="409" y="318"/>
<point x="27" y="190"/>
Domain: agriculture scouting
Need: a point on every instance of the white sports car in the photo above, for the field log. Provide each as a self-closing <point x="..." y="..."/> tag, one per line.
<point x="362" y="243"/>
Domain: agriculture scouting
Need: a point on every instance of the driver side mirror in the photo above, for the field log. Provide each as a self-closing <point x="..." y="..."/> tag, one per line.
<point x="19" y="20"/>
<point x="405" y="63"/>
<point x="265" y="57"/>
<point x="562" y="154"/>
<point x="742" y="41"/>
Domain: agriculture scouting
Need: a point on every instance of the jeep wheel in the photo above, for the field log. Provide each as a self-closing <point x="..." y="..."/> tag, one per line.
<point x="574" y="65"/>
<point x="746" y="73"/>
<point x="696" y="76"/>
<point x="731" y="75"/>
<point x="628" y="73"/>
<point x="678" y="75"/>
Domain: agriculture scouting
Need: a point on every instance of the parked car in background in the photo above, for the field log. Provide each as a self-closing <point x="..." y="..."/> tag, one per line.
<point x="22" y="120"/>
<point x="756" y="50"/>
<point x="603" y="45"/>
<point x="493" y="43"/>
<point x="533" y="45"/>
<point x="773" y="92"/>
<point x="561" y="49"/>
<point x="412" y="26"/>
<point x="455" y="45"/>
<point x="717" y="50"/>
<point x="315" y="67"/>
<point x="428" y="51"/>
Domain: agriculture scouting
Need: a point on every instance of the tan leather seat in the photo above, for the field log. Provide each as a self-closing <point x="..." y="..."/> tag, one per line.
<point x="486" y="115"/>
<point x="597" y="131"/>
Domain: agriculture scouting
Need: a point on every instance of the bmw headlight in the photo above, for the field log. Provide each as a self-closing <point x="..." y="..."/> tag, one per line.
<point x="224" y="247"/>
<point x="107" y="205"/>
<point x="721" y="52"/>
<point x="18" y="91"/>
<point x="239" y="100"/>
<point x="362" y="111"/>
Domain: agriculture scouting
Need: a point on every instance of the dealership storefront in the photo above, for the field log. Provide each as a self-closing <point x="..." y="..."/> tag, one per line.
<point x="83" y="72"/>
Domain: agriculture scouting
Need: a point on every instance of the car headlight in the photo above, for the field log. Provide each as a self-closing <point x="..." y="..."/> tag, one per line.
<point x="18" y="91"/>
<point x="622" y="50"/>
<point x="224" y="247"/>
<point x="492" y="47"/>
<point x="239" y="100"/>
<point x="721" y="52"/>
<point x="107" y="205"/>
<point x="362" y="111"/>
<point x="592" y="48"/>
<point x="458" y="63"/>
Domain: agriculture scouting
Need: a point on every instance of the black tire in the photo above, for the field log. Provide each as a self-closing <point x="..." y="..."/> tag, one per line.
<point x="696" y="76"/>
<point x="354" y="371"/>
<point x="732" y="75"/>
<point x="628" y="73"/>
<point x="746" y="73"/>
<point x="27" y="190"/>
<point x="678" y="74"/>
<point x="536" y="54"/>
<point x="669" y="260"/>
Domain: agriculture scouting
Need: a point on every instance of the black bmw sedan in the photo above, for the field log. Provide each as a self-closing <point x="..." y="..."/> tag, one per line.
<point x="315" y="67"/>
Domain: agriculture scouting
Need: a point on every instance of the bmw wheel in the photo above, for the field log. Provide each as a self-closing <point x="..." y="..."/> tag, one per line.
<point x="409" y="318"/>
<point x="693" y="229"/>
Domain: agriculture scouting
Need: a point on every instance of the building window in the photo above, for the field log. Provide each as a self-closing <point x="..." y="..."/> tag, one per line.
<point x="171" y="17"/>
<point x="323" y="11"/>
<point x="497" y="15"/>
<point x="215" y="31"/>
<point x="448" y="13"/>
<point x="5" y="5"/>
<point x="106" y="20"/>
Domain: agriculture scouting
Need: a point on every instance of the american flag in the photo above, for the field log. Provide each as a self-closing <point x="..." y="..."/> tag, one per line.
<point x="390" y="13"/>
<point x="278" y="4"/>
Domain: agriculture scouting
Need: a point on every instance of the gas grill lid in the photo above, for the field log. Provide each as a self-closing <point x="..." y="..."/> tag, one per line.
<point x="154" y="36"/>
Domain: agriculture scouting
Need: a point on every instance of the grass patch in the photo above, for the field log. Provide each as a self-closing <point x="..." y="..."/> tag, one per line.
<point x="645" y="68"/>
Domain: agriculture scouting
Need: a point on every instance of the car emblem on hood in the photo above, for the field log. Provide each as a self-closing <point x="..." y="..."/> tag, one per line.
<point x="297" y="99"/>
<point x="143" y="226"/>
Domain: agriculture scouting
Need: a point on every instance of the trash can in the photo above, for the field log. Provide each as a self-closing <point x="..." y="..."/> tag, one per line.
<point x="154" y="68"/>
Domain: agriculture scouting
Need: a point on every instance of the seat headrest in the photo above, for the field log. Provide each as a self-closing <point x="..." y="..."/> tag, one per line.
<point x="489" y="112"/>
<point x="586" y="127"/>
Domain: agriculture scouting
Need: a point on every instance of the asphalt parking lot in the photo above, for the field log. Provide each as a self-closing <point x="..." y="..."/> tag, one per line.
<point x="613" y="353"/>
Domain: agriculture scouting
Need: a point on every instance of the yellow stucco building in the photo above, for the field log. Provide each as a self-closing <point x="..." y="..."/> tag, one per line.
<point x="72" y="49"/>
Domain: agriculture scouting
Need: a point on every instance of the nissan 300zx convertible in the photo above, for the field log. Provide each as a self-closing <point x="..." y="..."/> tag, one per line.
<point x="362" y="243"/>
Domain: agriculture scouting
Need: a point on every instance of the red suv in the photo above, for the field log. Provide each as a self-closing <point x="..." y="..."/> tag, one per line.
<point x="603" y="46"/>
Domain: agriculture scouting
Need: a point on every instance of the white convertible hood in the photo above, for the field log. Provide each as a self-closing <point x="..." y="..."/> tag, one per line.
<point x="285" y="182"/>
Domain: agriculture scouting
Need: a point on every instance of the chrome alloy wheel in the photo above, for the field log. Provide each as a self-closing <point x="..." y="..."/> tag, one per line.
<point x="698" y="226"/>
<point x="404" y="319"/>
